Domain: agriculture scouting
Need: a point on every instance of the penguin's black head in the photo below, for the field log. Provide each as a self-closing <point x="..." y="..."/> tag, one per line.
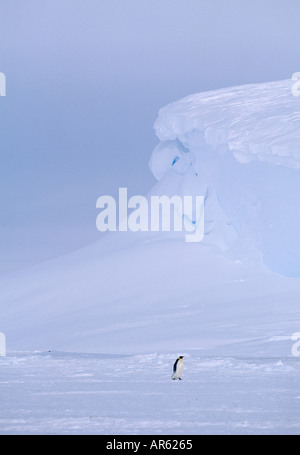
<point x="181" y="357"/>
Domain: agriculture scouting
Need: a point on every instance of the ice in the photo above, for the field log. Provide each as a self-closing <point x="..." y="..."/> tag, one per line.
<point x="256" y="122"/>
<point x="92" y="336"/>
<point x="240" y="147"/>
<point x="171" y="154"/>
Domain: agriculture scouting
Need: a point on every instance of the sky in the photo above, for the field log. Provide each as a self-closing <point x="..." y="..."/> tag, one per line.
<point x="85" y="80"/>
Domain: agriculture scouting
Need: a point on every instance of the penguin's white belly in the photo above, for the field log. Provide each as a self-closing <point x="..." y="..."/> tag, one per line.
<point x="178" y="372"/>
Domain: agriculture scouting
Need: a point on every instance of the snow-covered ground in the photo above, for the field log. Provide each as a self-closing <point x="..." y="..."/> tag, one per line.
<point x="92" y="336"/>
<point x="110" y="366"/>
<point x="69" y="393"/>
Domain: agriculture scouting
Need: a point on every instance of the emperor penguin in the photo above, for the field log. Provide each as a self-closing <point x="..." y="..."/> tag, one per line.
<point x="177" y="368"/>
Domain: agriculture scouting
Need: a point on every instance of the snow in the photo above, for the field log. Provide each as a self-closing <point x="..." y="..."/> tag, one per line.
<point x="61" y="393"/>
<point x="115" y="324"/>
<point x="254" y="121"/>
<point x="92" y="336"/>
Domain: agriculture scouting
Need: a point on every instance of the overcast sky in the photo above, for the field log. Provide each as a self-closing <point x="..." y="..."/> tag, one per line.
<point x="85" y="81"/>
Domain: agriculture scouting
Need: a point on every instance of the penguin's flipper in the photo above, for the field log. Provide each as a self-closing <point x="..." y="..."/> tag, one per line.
<point x="175" y="366"/>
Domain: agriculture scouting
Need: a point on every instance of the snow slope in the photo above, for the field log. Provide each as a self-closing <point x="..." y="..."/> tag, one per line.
<point x="117" y="313"/>
<point x="143" y="298"/>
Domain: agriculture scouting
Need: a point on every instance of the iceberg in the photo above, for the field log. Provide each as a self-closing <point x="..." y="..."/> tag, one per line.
<point x="240" y="148"/>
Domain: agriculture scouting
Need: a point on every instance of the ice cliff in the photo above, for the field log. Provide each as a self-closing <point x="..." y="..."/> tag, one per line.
<point x="240" y="148"/>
